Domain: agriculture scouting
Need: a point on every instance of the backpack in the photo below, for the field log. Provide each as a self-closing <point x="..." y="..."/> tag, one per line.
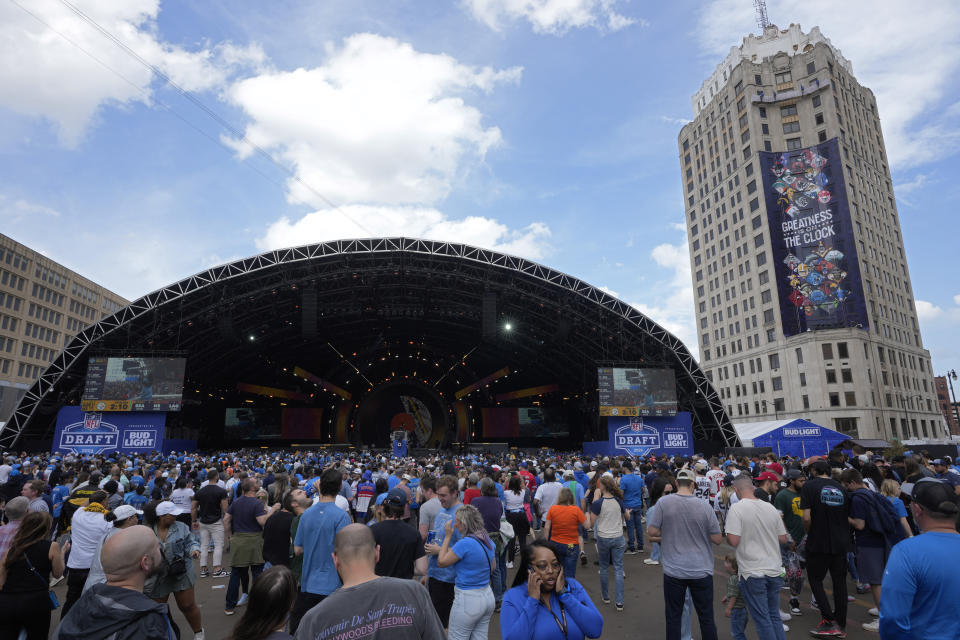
<point x="887" y="523"/>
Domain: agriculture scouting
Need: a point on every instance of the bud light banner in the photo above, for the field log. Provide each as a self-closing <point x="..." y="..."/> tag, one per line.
<point x="93" y="433"/>
<point x="814" y="252"/>
<point x="645" y="436"/>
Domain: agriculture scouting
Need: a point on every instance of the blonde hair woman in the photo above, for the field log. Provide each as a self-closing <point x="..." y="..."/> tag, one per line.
<point x="475" y="558"/>
<point x="891" y="489"/>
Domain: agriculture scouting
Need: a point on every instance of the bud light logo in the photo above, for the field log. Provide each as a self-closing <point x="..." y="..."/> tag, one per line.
<point x="140" y="439"/>
<point x="90" y="435"/>
<point x="636" y="438"/>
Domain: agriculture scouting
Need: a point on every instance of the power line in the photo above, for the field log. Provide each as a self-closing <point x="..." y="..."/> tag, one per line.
<point x="189" y="96"/>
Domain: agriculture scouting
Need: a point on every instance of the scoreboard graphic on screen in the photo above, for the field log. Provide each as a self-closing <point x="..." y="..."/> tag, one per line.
<point x="637" y="391"/>
<point x="134" y="384"/>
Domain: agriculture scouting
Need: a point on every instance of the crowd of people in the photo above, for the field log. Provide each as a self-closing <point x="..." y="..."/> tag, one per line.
<point x="321" y="544"/>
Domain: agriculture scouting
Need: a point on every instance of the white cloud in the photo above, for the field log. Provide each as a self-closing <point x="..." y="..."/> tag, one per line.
<point x="420" y="222"/>
<point x="43" y="75"/>
<point x="908" y="57"/>
<point x="609" y="291"/>
<point x="677" y="121"/>
<point x="919" y="181"/>
<point x="552" y="16"/>
<point x="956" y="299"/>
<point x="927" y="310"/>
<point x="674" y="310"/>
<point x="20" y="210"/>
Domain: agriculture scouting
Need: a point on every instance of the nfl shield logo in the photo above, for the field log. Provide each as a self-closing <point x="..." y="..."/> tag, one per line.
<point x="91" y="421"/>
<point x="636" y="425"/>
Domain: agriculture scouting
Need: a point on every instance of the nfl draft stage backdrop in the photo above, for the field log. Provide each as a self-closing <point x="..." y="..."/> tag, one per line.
<point x="79" y="432"/>
<point x="646" y="436"/>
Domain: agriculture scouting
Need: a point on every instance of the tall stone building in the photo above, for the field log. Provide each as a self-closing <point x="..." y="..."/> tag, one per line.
<point x="42" y="306"/>
<point x="803" y="300"/>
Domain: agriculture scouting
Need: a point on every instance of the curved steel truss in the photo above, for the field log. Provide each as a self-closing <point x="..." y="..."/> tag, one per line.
<point x="49" y="389"/>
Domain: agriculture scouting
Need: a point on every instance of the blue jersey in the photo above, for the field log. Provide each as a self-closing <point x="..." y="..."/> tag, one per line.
<point x="632" y="486"/>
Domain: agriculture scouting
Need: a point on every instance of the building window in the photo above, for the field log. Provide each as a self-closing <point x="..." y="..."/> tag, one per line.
<point x="778" y="405"/>
<point x="806" y="401"/>
<point x="768" y="316"/>
<point x="756" y="222"/>
<point x="783" y="76"/>
<point x="754" y="204"/>
<point x="777" y="383"/>
<point x="794" y="143"/>
<point x="765" y="296"/>
<point x="847" y="425"/>
<point x="774" y="361"/>
<point x="818" y="118"/>
<point x="758" y="240"/>
<point x="827" y="348"/>
<point x="767" y="146"/>
<point x="846" y="375"/>
<point x="765" y="129"/>
<point x="803" y="379"/>
<point x="791" y="127"/>
<point x="763" y="112"/>
<point x="850" y="398"/>
<point x="842" y="351"/>
<point x="771" y="335"/>
<point x="738" y="88"/>
<point x="748" y="169"/>
<point x="790" y="110"/>
<point x="764" y="277"/>
<point x="756" y="79"/>
<point x="816" y="101"/>
<point x="822" y="136"/>
<point x="831" y="376"/>
<point x="834" y="399"/>
<point x="811" y="67"/>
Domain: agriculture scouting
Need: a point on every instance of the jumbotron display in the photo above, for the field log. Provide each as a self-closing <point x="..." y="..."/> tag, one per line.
<point x="637" y="391"/>
<point x="134" y="384"/>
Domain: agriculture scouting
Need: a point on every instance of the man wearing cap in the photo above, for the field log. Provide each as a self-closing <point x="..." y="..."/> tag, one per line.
<point x="87" y="528"/>
<point x="687" y="528"/>
<point x="788" y="503"/>
<point x="755" y="529"/>
<point x="921" y="584"/>
<point x="401" y="548"/>
<point x="947" y="474"/>
<point x="16" y="509"/>
<point x="766" y="486"/>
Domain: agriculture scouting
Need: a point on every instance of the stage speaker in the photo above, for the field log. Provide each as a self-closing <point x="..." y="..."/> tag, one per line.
<point x="488" y="316"/>
<point x="308" y="315"/>
<point x="227" y="331"/>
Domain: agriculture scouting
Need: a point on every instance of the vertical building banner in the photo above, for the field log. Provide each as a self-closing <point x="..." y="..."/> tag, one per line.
<point x="814" y="251"/>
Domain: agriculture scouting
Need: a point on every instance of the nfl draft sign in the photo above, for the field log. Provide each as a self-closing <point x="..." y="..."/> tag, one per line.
<point x="93" y="433"/>
<point x="642" y="437"/>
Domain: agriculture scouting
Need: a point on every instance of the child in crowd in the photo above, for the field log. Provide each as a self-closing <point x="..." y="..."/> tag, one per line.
<point x="736" y="607"/>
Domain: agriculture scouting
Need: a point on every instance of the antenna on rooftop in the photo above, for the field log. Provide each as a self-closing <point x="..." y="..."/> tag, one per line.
<point x="760" y="8"/>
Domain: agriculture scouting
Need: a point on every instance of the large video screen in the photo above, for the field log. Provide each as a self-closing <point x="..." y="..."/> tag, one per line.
<point x="524" y="422"/>
<point x="273" y="423"/>
<point x="641" y="391"/>
<point x="134" y="384"/>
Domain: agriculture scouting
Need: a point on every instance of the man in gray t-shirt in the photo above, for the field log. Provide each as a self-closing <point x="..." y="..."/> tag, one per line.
<point x="429" y="505"/>
<point x="688" y="528"/>
<point x="367" y="605"/>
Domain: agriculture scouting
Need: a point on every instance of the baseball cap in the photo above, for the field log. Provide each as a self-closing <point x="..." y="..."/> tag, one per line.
<point x="793" y="474"/>
<point x="767" y="475"/>
<point x="396" y="497"/>
<point x="367" y="475"/>
<point x="938" y="462"/>
<point x="686" y="474"/>
<point x="593" y="463"/>
<point x="568" y="473"/>
<point x="935" y="495"/>
<point x="578" y="465"/>
<point x="167" y="508"/>
<point x="125" y="511"/>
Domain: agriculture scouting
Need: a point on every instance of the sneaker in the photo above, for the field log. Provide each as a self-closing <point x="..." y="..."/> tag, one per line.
<point x="55" y="581"/>
<point x="228" y="612"/>
<point x="639" y="549"/>
<point x="220" y="574"/>
<point x="583" y="560"/>
<point x="874" y="612"/>
<point x="631" y="552"/>
<point x="851" y="599"/>
<point x="871" y="626"/>
<point x="619" y="606"/>
<point x="785" y="628"/>
<point x="827" y="629"/>
<point x="509" y="565"/>
<point x="651" y="561"/>
<point x="863" y="588"/>
<point x="204" y="573"/>
<point x="199" y="635"/>
<point x="784" y="616"/>
<point x="242" y="601"/>
<point x="606" y="600"/>
<point x="795" y="607"/>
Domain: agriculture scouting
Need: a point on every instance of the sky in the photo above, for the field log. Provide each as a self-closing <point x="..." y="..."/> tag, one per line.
<point x="143" y="141"/>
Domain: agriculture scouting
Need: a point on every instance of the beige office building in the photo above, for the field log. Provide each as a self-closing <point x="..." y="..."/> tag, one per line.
<point x="42" y="306"/>
<point x="864" y="373"/>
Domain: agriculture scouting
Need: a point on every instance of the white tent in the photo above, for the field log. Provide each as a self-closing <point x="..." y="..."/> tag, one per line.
<point x="747" y="431"/>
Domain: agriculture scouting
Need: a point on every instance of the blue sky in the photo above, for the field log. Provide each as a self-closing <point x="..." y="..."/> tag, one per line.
<point x="545" y="128"/>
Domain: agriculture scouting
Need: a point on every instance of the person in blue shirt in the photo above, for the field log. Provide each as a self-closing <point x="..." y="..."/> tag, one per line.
<point x="136" y="498"/>
<point x="441" y="581"/>
<point x="920" y="588"/>
<point x="474" y="558"/>
<point x="632" y="486"/>
<point x="314" y="541"/>
<point x="544" y="605"/>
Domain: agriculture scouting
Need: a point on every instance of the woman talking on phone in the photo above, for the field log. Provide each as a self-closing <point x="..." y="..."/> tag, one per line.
<point x="544" y="605"/>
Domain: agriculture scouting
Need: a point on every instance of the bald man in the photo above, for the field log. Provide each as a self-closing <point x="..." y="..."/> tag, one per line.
<point x="367" y="604"/>
<point x="118" y="609"/>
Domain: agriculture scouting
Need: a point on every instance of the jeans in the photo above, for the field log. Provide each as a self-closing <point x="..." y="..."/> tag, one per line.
<point x="611" y="549"/>
<point x="499" y="579"/>
<point x="818" y="565"/>
<point x="214" y="531"/>
<point x="852" y="567"/>
<point x="76" y="578"/>
<point x="674" y="595"/>
<point x="687" y="619"/>
<point x="738" y="624"/>
<point x="655" y="552"/>
<point x="470" y="614"/>
<point x="635" y="529"/>
<point x="762" y="595"/>
<point x="238" y="577"/>
<point x="569" y="555"/>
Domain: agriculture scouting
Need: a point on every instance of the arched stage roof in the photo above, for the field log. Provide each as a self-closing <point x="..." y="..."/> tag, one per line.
<point x="250" y="320"/>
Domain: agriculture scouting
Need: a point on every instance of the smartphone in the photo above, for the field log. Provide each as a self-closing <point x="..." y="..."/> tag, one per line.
<point x="431" y="537"/>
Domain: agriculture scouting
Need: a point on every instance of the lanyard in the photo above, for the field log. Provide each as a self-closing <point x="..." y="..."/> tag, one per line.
<point x="563" y="617"/>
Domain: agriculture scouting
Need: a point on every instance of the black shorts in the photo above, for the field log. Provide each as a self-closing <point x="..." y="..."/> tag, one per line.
<point x="441" y="594"/>
<point x="870" y="564"/>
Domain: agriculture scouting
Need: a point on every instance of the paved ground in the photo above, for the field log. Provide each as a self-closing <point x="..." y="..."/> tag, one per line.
<point x="643" y="611"/>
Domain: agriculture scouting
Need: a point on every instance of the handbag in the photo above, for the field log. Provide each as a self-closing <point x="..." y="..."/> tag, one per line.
<point x="506" y="530"/>
<point x="173" y="568"/>
<point x="54" y="602"/>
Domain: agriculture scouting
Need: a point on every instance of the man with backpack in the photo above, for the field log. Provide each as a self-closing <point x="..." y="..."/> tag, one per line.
<point x="875" y="526"/>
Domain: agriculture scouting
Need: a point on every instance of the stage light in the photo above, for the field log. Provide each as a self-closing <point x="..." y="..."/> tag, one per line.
<point x="508" y="327"/>
<point x="252" y="338"/>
